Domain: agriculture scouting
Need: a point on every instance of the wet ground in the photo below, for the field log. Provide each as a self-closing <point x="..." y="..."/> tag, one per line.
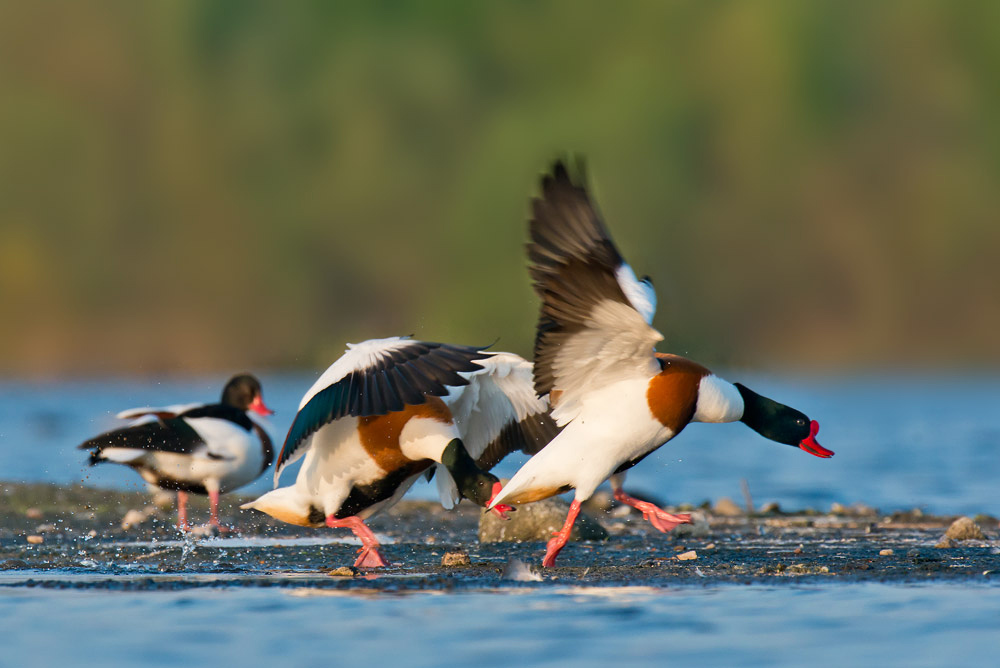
<point x="72" y="538"/>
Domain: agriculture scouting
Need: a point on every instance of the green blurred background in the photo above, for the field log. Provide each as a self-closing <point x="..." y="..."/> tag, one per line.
<point x="206" y="186"/>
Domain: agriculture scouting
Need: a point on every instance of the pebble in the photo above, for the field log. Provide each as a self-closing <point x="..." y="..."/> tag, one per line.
<point x="770" y="508"/>
<point x="797" y="550"/>
<point x="710" y="546"/>
<point x="885" y="553"/>
<point x="342" y="572"/>
<point x="133" y="518"/>
<point x="455" y="559"/>
<point x="727" y="508"/>
<point x="35" y="539"/>
<point x="537" y="522"/>
<point x="687" y="556"/>
<point x="33" y="513"/>
<point x="964" y="529"/>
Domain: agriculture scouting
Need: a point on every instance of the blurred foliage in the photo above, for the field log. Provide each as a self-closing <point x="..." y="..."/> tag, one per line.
<point x="216" y="185"/>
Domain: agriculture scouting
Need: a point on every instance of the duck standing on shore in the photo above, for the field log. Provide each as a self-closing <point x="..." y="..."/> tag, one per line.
<point x="194" y="448"/>
<point x="385" y="413"/>
<point x="616" y="398"/>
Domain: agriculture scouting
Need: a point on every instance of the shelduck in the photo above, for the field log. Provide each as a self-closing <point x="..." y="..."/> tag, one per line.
<point x="388" y="411"/>
<point x="615" y="398"/>
<point x="194" y="448"/>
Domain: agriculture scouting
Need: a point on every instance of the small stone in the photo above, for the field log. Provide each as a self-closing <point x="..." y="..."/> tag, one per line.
<point x="133" y="518"/>
<point x="455" y="559"/>
<point x="92" y="533"/>
<point x="797" y="550"/>
<point x="600" y="502"/>
<point x="33" y="513"/>
<point x="727" y="508"/>
<point x="824" y="569"/>
<point x="44" y="528"/>
<point x="342" y="572"/>
<point x="687" y="556"/>
<point x="885" y="553"/>
<point x="945" y="543"/>
<point x="679" y="548"/>
<point x="12" y="564"/>
<point x="35" y="539"/>
<point x="537" y="522"/>
<point x="838" y="509"/>
<point x="710" y="546"/>
<point x="770" y="508"/>
<point x="698" y="528"/>
<point x="964" y="529"/>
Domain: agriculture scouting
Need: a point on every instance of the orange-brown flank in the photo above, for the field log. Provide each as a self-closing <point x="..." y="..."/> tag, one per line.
<point x="673" y="393"/>
<point x="379" y="434"/>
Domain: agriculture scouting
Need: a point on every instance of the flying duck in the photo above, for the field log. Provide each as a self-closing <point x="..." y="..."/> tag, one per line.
<point x="615" y="398"/>
<point x="194" y="448"/>
<point x="388" y="411"/>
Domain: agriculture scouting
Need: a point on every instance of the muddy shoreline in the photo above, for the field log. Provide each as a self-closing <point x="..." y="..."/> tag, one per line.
<point x="72" y="538"/>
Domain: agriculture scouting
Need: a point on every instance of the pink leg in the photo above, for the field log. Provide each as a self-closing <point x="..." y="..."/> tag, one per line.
<point x="560" y="537"/>
<point x="369" y="556"/>
<point x="213" y="501"/>
<point x="658" y="517"/>
<point x="182" y="517"/>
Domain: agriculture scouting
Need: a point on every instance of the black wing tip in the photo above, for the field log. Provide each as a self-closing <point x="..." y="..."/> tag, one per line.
<point x="569" y="169"/>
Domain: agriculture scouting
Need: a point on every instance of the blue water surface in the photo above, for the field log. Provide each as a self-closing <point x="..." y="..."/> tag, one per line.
<point x="850" y="625"/>
<point x="918" y="441"/>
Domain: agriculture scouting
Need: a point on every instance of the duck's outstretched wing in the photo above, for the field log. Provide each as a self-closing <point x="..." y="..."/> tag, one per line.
<point x="595" y="322"/>
<point x="498" y="412"/>
<point x="376" y="377"/>
<point x="126" y="444"/>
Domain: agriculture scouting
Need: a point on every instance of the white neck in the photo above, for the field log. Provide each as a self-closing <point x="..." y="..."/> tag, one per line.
<point x="718" y="401"/>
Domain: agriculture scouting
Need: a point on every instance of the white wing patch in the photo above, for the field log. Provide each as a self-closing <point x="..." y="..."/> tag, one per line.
<point x="446" y="487"/>
<point x="500" y="394"/>
<point x="224" y="439"/>
<point x="640" y="293"/>
<point x="357" y="356"/>
<point x="616" y="344"/>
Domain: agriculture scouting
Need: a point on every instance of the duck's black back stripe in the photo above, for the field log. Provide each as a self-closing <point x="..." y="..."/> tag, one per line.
<point x="171" y="435"/>
<point x="221" y="412"/>
<point x="405" y="376"/>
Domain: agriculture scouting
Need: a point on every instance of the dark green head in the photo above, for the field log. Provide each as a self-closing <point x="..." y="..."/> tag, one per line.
<point x="780" y="423"/>
<point x="244" y="392"/>
<point x="473" y="483"/>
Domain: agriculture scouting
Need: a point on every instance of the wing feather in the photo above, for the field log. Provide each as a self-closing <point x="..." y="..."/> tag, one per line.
<point x="499" y="412"/>
<point x="594" y="323"/>
<point x="374" y="378"/>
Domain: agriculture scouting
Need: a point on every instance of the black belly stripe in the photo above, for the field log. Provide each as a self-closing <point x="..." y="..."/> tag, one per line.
<point x="365" y="496"/>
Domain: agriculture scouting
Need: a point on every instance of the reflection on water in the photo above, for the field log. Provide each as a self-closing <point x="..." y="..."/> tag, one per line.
<point x="900" y="443"/>
<point x="867" y="624"/>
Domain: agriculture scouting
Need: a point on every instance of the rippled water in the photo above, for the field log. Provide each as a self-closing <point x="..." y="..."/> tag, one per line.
<point x="914" y="442"/>
<point x="862" y="625"/>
